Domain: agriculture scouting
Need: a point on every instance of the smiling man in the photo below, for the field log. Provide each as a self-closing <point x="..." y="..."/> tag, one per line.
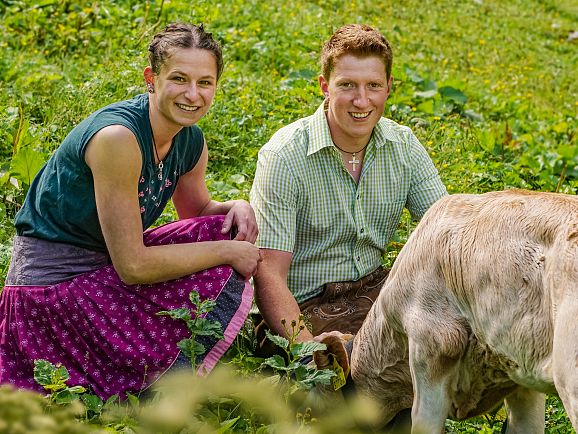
<point x="329" y="192"/>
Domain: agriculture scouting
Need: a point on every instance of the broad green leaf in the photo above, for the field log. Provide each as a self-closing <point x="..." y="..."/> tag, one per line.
<point x="43" y="372"/>
<point x="302" y="349"/>
<point x="64" y="397"/>
<point x="316" y="377"/>
<point x="276" y="362"/>
<point x="61" y="373"/>
<point x="190" y="347"/>
<point x="26" y="164"/>
<point x="453" y="94"/>
<point x="92" y="402"/>
<point x="209" y="328"/>
<point x="277" y="340"/>
<point x="426" y="107"/>
<point x="561" y="127"/>
<point x="568" y="152"/>
<point x="237" y="178"/>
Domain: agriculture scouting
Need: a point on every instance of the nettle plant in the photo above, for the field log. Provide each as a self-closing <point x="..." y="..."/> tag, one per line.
<point x="197" y="324"/>
<point x="290" y="369"/>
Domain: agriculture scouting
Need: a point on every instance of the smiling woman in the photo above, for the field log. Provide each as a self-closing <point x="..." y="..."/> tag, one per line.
<point x="85" y="282"/>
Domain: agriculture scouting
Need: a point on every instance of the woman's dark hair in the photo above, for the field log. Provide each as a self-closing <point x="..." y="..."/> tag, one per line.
<point x="182" y="35"/>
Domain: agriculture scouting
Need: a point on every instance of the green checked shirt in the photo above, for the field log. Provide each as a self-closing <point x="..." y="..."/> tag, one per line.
<point x="308" y="204"/>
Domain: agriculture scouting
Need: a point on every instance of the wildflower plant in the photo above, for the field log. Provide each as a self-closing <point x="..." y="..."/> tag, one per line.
<point x="197" y="324"/>
<point x="290" y="369"/>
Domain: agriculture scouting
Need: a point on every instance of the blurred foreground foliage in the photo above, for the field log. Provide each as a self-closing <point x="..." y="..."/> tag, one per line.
<point x="488" y="86"/>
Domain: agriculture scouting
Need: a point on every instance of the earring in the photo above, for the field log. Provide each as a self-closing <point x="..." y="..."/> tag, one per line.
<point x="150" y="88"/>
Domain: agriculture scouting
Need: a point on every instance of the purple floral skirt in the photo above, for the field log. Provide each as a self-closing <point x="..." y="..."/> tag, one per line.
<point x="108" y="334"/>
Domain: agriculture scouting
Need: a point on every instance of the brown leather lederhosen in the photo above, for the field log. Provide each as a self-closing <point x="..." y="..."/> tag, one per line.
<point x="341" y="306"/>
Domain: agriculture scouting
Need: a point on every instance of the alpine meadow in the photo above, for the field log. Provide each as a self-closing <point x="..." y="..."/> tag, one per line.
<point x="489" y="87"/>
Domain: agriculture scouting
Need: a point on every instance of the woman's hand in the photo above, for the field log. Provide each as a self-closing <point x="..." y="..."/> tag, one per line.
<point x="241" y="216"/>
<point x="244" y="258"/>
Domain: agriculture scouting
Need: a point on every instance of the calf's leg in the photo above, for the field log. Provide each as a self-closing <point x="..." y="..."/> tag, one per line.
<point x="525" y="410"/>
<point x="565" y="355"/>
<point x="430" y="402"/>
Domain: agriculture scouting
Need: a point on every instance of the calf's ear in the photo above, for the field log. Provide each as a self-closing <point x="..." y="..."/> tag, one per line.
<point x="335" y="342"/>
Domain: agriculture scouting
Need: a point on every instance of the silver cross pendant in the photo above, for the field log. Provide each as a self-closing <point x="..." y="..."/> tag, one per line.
<point x="354" y="161"/>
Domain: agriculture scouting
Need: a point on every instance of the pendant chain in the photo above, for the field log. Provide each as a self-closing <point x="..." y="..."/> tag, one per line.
<point x="354" y="161"/>
<point x="160" y="165"/>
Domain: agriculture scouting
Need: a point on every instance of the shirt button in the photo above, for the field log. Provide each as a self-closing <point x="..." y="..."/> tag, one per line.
<point x="362" y="230"/>
<point x="358" y="196"/>
<point x="358" y="258"/>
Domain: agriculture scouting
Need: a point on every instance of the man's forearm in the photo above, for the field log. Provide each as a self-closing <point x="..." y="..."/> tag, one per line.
<point x="280" y="310"/>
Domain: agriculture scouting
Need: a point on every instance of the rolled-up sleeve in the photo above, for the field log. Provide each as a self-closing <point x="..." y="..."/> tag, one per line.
<point x="426" y="185"/>
<point x="274" y="199"/>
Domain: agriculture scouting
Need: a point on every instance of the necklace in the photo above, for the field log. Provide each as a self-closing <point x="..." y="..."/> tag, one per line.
<point x="160" y="165"/>
<point x="354" y="161"/>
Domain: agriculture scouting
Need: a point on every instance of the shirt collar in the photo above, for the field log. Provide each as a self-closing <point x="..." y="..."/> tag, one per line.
<point x="320" y="136"/>
<point x="380" y="134"/>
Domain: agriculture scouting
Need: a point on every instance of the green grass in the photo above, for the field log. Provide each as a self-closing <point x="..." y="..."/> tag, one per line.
<point x="509" y="120"/>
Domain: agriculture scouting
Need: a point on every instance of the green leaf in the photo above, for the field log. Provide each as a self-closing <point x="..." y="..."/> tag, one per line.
<point x="43" y="372"/>
<point x="180" y="313"/>
<point x="64" y="396"/>
<point x="112" y="400"/>
<point x="133" y="400"/>
<point x="474" y="116"/>
<point x="226" y="425"/>
<point x="303" y="349"/>
<point x="191" y="348"/>
<point x="209" y="328"/>
<point x="316" y="377"/>
<point x="26" y="164"/>
<point x="276" y="362"/>
<point x="237" y="178"/>
<point x="61" y="374"/>
<point x="195" y="298"/>
<point x="277" y="340"/>
<point x="76" y="389"/>
<point x="568" y="152"/>
<point x="426" y="107"/>
<point x="561" y="127"/>
<point x="92" y="402"/>
<point x="453" y="94"/>
<point x="425" y="94"/>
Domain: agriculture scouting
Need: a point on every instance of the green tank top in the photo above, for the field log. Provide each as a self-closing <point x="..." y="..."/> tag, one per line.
<point x="60" y="204"/>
